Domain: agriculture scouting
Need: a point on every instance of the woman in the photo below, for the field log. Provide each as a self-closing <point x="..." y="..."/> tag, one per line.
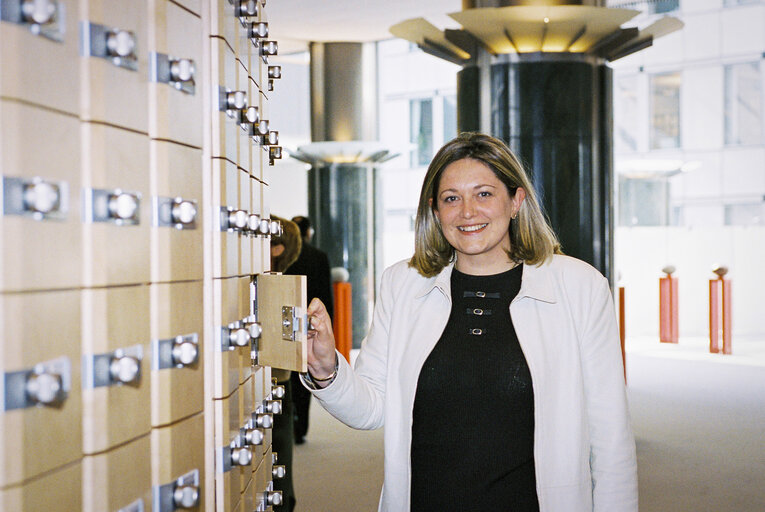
<point x="492" y="359"/>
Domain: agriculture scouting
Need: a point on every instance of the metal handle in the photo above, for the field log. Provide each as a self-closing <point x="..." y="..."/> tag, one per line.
<point x="241" y="456"/>
<point x="247" y="8"/>
<point x="124" y="369"/>
<point x="183" y="212"/>
<point x="38" y="11"/>
<point x="182" y="70"/>
<point x="274" y="72"/>
<point x="239" y="337"/>
<point x="184" y="352"/>
<point x="273" y="498"/>
<point x="272" y="139"/>
<point x="41" y="197"/>
<point x="279" y="472"/>
<point x="236" y="100"/>
<point x="120" y="43"/>
<point x="123" y="206"/>
<point x="273" y="406"/>
<point x="264" y="420"/>
<point x="186" y="496"/>
<point x="254" y="436"/>
<point x="269" y="48"/>
<point x="277" y="391"/>
<point x="275" y="228"/>
<point x="238" y="219"/>
<point x="255" y="330"/>
<point x="258" y="30"/>
<point x="44" y="388"/>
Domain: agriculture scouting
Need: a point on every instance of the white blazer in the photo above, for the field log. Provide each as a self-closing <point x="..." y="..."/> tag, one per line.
<point x="584" y="449"/>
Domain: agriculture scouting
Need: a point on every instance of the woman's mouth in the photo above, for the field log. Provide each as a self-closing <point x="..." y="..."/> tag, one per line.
<point x="474" y="227"/>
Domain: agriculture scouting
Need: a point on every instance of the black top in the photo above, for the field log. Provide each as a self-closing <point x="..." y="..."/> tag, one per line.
<point x="473" y="417"/>
<point x="314" y="264"/>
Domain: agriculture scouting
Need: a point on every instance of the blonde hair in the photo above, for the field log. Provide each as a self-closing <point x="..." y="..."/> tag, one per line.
<point x="532" y="240"/>
<point x="292" y="242"/>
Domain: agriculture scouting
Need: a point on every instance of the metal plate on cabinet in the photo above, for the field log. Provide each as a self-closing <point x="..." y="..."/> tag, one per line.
<point x="272" y="293"/>
<point x="178" y="460"/>
<point x="119" y="479"/>
<point x="226" y="243"/>
<point x="40" y="225"/>
<point x="47" y="435"/>
<point x="40" y="40"/>
<point x="177" y="380"/>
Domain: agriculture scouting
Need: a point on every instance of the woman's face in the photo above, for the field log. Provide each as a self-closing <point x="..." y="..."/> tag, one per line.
<point x="474" y="208"/>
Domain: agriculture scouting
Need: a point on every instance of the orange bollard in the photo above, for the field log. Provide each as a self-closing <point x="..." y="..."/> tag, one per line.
<point x="622" y="334"/>
<point x="720" y="306"/>
<point x="342" y="324"/>
<point x="668" y="329"/>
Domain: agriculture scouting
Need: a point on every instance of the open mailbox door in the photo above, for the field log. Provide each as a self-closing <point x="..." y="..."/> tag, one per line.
<point x="279" y="305"/>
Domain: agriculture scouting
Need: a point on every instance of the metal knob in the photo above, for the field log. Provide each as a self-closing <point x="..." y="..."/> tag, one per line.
<point x="273" y="498"/>
<point x="38" y="11"/>
<point x="183" y="212"/>
<point x="251" y="115"/>
<point x="264" y="420"/>
<point x="261" y="127"/>
<point x="239" y="337"/>
<point x="182" y="70"/>
<point x="253" y="221"/>
<point x="273" y="138"/>
<point x="258" y="30"/>
<point x="238" y="219"/>
<point x="254" y="437"/>
<point x="264" y="228"/>
<point x="255" y="330"/>
<point x="275" y="152"/>
<point x="186" y="496"/>
<point x="241" y="456"/>
<point x="277" y="391"/>
<point x="247" y="8"/>
<point x="279" y="472"/>
<point x="273" y="406"/>
<point x="274" y="72"/>
<point x="275" y="228"/>
<point x="125" y="369"/>
<point x="44" y="388"/>
<point x="236" y="100"/>
<point x="120" y="43"/>
<point x="269" y="48"/>
<point x="184" y="352"/>
<point x="123" y="206"/>
<point x="41" y="197"/>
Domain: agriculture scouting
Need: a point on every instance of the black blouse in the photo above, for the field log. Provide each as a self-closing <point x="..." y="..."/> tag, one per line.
<point x="473" y="417"/>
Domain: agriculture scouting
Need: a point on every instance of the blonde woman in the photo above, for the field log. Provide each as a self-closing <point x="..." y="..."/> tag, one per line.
<point x="492" y="360"/>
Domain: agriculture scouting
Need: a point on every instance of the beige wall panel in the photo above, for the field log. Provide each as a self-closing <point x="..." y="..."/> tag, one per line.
<point x="59" y="490"/>
<point x="118" y="478"/>
<point x="36" y="328"/>
<point x="194" y="6"/>
<point x="227" y="424"/>
<point x="244" y="141"/>
<point x="245" y="240"/>
<point x="46" y="253"/>
<point x="176" y="250"/>
<point x="259" y="482"/>
<point x="258" y="242"/>
<point x="115" y="318"/>
<point x="29" y="62"/>
<point x="227" y="311"/>
<point x="225" y="241"/>
<point x="225" y="129"/>
<point x="177" y="450"/>
<point x="174" y="114"/>
<point x="274" y="292"/>
<point x="111" y="93"/>
<point x="176" y="310"/>
<point x="115" y="161"/>
<point x="223" y="22"/>
<point x="248" y="496"/>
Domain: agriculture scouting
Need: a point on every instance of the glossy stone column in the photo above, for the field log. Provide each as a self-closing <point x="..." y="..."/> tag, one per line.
<point x="341" y="204"/>
<point x="554" y="111"/>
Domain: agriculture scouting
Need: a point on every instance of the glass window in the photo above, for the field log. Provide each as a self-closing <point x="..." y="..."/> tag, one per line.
<point x="665" y="110"/>
<point x="743" y="104"/>
<point x="643" y="201"/>
<point x="745" y="214"/>
<point x="731" y="3"/>
<point x="421" y="131"/>
<point x="450" y="117"/>
<point x="648" y="6"/>
<point x="625" y="114"/>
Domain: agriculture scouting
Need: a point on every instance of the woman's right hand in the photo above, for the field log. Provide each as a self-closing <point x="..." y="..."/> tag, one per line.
<point x="321" y="341"/>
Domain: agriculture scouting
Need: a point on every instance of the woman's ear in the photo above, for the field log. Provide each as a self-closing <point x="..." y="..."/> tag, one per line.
<point x="518" y="198"/>
<point x="277" y="250"/>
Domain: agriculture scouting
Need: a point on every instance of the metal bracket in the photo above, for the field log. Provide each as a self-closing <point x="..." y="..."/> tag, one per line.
<point x="50" y="24"/>
<point x="160" y="72"/>
<point x="163" y="495"/>
<point x="13" y="385"/>
<point x="35" y="197"/>
<point x="96" y="368"/>
<point x="115" y="206"/>
<point x="293" y="323"/>
<point x="136" y="506"/>
<point x="162" y="356"/>
<point x="95" y="39"/>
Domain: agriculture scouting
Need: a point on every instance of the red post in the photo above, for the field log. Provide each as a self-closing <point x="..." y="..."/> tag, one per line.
<point x="714" y="316"/>
<point x="727" y="328"/>
<point x="342" y="323"/>
<point x="622" y="333"/>
<point x="668" y="306"/>
<point x="720" y="307"/>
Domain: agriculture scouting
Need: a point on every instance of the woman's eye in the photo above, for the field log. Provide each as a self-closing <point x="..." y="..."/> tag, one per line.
<point x="449" y="199"/>
<point x="484" y="193"/>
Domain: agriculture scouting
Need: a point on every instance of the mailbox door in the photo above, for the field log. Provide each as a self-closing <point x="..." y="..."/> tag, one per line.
<point x="279" y="300"/>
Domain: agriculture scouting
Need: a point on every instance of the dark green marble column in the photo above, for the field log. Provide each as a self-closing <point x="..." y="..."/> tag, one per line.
<point x="554" y="111"/>
<point x="341" y="204"/>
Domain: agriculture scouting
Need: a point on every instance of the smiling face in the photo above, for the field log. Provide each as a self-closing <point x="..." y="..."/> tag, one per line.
<point x="474" y="209"/>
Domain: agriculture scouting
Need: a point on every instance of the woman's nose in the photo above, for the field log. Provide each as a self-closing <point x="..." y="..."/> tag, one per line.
<point x="468" y="208"/>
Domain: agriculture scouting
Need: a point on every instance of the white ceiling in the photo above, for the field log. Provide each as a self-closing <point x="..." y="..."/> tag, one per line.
<point x="295" y="23"/>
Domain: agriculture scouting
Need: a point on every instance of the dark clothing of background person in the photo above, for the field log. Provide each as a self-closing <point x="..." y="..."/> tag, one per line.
<point x="314" y="264"/>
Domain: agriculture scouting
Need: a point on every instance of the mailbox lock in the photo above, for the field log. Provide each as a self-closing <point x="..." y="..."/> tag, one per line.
<point x="186" y="496"/>
<point x="44" y="387"/>
<point x="182" y="70"/>
<point x="273" y="497"/>
<point x="125" y="369"/>
<point x="276" y="228"/>
<point x="241" y="456"/>
<point x="279" y="472"/>
<point x="41" y="197"/>
<point x="252" y="115"/>
<point x="263" y="420"/>
<point x="269" y="48"/>
<point x="258" y="30"/>
<point x="274" y="72"/>
<point x="184" y="352"/>
<point x="254" y="436"/>
<point x="123" y="206"/>
<point x="277" y="391"/>
<point x="238" y="219"/>
<point x="247" y="8"/>
<point x="239" y="337"/>
<point x="120" y="43"/>
<point x="273" y="406"/>
<point x="255" y="330"/>
<point x="38" y="11"/>
<point x="236" y="100"/>
<point x="272" y="139"/>
<point x="183" y="212"/>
